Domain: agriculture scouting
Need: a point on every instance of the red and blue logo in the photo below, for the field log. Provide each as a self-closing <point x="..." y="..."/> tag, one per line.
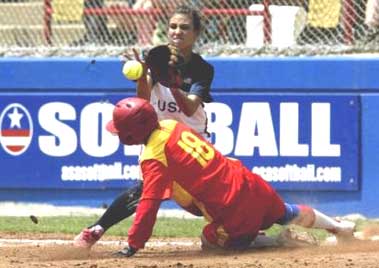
<point x="16" y="129"/>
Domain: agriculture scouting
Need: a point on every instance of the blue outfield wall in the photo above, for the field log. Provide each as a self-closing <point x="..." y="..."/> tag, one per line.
<point x="307" y="124"/>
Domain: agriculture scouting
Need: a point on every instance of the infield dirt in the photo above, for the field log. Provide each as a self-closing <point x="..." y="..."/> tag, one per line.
<point x="362" y="254"/>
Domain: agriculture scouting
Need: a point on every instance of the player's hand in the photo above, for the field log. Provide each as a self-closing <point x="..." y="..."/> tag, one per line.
<point x="135" y="55"/>
<point x="126" y="252"/>
<point x="176" y="57"/>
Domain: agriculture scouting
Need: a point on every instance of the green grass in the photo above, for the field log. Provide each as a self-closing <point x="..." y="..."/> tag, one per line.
<point x="164" y="227"/>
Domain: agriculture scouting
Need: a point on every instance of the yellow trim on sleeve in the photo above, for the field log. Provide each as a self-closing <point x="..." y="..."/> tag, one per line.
<point x="155" y="147"/>
<point x="185" y="199"/>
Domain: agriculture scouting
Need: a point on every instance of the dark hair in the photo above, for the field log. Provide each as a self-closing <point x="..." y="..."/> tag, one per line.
<point x="190" y="12"/>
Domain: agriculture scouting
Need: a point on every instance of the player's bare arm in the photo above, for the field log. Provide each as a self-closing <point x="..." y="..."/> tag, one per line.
<point x="144" y="83"/>
<point x="144" y="87"/>
<point x="187" y="103"/>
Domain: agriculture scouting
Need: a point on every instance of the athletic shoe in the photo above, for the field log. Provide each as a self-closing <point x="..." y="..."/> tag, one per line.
<point x="88" y="237"/>
<point x="344" y="231"/>
<point x="289" y="237"/>
<point x="263" y="241"/>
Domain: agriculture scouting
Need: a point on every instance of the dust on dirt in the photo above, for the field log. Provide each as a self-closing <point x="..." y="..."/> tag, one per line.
<point x="362" y="254"/>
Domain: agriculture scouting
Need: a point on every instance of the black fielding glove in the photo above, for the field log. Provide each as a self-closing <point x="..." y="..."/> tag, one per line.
<point x="164" y="62"/>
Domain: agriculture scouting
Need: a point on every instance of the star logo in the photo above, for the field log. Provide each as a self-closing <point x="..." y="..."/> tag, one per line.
<point x="16" y="129"/>
<point x="15" y="118"/>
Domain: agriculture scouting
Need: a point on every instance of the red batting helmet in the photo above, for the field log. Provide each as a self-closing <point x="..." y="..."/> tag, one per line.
<point x="133" y="120"/>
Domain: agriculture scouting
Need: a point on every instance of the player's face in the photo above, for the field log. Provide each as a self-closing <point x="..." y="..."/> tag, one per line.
<point x="181" y="32"/>
<point x="128" y="139"/>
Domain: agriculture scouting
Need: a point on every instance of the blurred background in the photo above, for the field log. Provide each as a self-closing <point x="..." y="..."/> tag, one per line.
<point x="231" y="27"/>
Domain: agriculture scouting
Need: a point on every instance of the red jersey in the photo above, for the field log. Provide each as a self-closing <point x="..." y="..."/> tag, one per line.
<point x="179" y="163"/>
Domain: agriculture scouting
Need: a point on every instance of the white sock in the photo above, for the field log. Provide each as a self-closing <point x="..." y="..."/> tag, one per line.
<point x="323" y="221"/>
<point x="98" y="227"/>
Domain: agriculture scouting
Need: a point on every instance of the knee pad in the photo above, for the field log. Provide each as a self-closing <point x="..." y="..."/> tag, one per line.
<point x="298" y="214"/>
<point x="291" y="212"/>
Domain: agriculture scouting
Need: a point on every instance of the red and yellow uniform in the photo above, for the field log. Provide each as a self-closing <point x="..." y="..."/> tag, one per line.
<point x="178" y="163"/>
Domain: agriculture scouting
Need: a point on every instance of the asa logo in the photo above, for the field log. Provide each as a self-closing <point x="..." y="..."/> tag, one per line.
<point x="16" y="129"/>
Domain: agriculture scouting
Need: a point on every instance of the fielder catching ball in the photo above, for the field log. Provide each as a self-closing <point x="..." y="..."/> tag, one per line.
<point x="177" y="81"/>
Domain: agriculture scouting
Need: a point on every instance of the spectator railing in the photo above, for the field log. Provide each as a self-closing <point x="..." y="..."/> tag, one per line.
<point x="347" y="16"/>
<point x="122" y="10"/>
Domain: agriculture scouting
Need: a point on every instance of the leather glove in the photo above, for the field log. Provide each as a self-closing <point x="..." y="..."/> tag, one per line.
<point x="165" y="62"/>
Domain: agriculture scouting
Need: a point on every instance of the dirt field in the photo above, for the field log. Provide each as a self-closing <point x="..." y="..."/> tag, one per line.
<point x="362" y="254"/>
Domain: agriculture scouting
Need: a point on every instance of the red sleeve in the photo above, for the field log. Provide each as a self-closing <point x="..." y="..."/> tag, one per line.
<point x="156" y="182"/>
<point x="156" y="186"/>
<point x="143" y="224"/>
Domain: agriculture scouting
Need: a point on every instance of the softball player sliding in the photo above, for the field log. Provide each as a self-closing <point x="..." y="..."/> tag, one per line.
<point x="236" y="202"/>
